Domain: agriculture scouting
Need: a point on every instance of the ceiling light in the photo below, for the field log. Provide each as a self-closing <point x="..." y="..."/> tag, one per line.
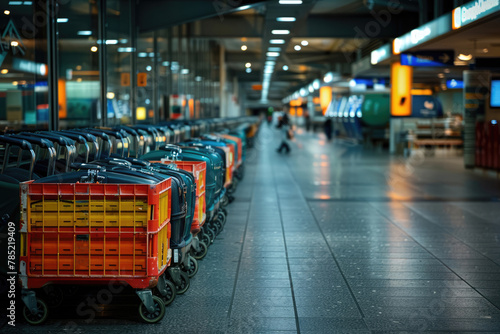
<point x="316" y="84"/>
<point x="93" y="49"/>
<point x="290" y="2"/>
<point x="244" y="48"/>
<point x="4" y="71"/>
<point x="285" y="68"/>
<point x="280" y="32"/>
<point x="244" y="7"/>
<point x="286" y="19"/>
<point x="248" y="65"/>
<point x="84" y="33"/>
<point x="311" y="89"/>
<point x="123" y="40"/>
<point x="248" y="70"/>
<point x="14" y="43"/>
<point x="185" y="71"/>
<point x="277" y="41"/>
<point x="79" y="80"/>
<point x="128" y="49"/>
<point x="303" y="92"/>
<point x="78" y="67"/>
<point x="166" y="63"/>
<point x="328" y="78"/>
<point x="304" y="43"/>
<point x="441" y="75"/>
<point x="28" y="3"/>
<point x="297" y="48"/>
<point x="62" y="20"/>
<point x="272" y="54"/>
<point x="148" y="68"/>
<point x="112" y="41"/>
<point x="15" y="3"/>
<point x="272" y="62"/>
<point x="275" y="49"/>
<point x="352" y="83"/>
<point x="6" y="12"/>
<point x="485" y="50"/>
<point x="15" y="83"/>
<point x="142" y="55"/>
<point x="465" y="57"/>
<point x="446" y="70"/>
<point x="110" y="95"/>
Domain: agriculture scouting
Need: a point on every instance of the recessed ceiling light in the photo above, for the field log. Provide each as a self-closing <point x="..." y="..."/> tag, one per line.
<point x="304" y="43"/>
<point x="4" y="71"/>
<point x="6" y="12"/>
<point x="148" y="68"/>
<point x="248" y="65"/>
<point x="485" y="50"/>
<point x="277" y="41"/>
<point x="290" y="2"/>
<point x="286" y="19"/>
<point x="297" y="48"/>
<point x="285" y="68"/>
<point x="465" y="57"/>
<point x="248" y="70"/>
<point x="93" y="49"/>
<point x="84" y="33"/>
<point x="280" y="32"/>
<point x="272" y="54"/>
<point x="244" y="48"/>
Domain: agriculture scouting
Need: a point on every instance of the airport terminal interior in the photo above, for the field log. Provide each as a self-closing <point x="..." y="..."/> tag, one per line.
<point x="249" y="166"/>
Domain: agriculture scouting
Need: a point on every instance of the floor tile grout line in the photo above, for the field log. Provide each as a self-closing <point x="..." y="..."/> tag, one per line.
<point x="326" y="241"/>
<point x="297" y="322"/>
<point x="449" y="233"/>
<point x="241" y="250"/>
<point x="425" y="248"/>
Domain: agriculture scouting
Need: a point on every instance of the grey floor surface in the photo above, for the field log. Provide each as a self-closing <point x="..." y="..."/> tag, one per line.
<point x="335" y="238"/>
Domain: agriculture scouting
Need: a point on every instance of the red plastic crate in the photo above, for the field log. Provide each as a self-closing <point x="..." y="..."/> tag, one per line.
<point x="131" y="244"/>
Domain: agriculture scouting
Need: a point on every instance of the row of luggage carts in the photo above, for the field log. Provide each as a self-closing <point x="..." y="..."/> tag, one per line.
<point x="138" y="205"/>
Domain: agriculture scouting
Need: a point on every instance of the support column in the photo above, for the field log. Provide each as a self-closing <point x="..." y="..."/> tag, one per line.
<point x="222" y="80"/>
<point x="53" y="65"/>
<point x="476" y="91"/>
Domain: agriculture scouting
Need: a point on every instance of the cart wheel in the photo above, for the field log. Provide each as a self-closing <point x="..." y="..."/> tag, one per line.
<point x="171" y="293"/>
<point x="218" y="226"/>
<point x="54" y="295"/>
<point x="39" y="317"/>
<point x="193" y="267"/>
<point x="211" y="234"/>
<point x="201" y="254"/>
<point x="222" y="217"/>
<point x="70" y="290"/>
<point x="215" y="227"/>
<point x="184" y="286"/>
<point x="224" y="201"/>
<point x="205" y="238"/>
<point x="224" y="211"/>
<point x="156" y="315"/>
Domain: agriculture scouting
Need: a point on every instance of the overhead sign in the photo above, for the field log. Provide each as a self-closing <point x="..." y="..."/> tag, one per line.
<point x="474" y="11"/>
<point x="381" y="54"/>
<point x="428" y="58"/>
<point x="29" y="66"/>
<point x="422" y="34"/>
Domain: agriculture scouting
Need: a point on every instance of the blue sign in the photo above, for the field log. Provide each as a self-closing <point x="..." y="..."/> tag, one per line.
<point x="454" y="84"/>
<point x="428" y="58"/>
<point x="426" y="106"/>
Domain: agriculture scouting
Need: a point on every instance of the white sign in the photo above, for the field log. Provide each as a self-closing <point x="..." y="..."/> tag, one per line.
<point x="472" y="11"/>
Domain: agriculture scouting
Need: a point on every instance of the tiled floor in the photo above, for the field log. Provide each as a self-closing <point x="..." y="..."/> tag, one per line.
<point x="337" y="239"/>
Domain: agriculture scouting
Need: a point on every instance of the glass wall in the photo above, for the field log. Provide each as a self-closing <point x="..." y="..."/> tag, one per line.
<point x="109" y="71"/>
<point x="23" y="67"/>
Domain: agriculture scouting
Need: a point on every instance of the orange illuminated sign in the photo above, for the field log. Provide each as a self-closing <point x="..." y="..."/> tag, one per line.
<point x="325" y="97"/>
<point x="142" y="79"/>
<point x="256" y="87"/>
<point x="125" y="79"/>
<point x="401" y="84"/>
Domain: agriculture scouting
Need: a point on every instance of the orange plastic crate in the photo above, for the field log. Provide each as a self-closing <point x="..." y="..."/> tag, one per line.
<point x="199" y="171"/>
<point x="239" y="159"/>
<point x="87" y="233"/>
